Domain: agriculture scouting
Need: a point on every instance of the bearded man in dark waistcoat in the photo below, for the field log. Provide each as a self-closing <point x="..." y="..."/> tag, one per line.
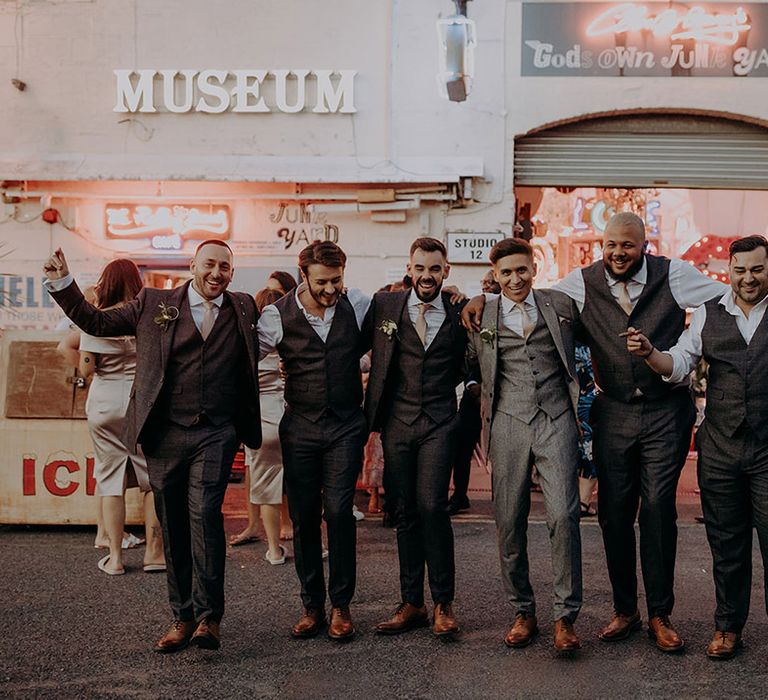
<point x="316" y="331"/>
<point x="194" y="399"/>
<point x="642" y="425"/>
<point x="525" y="354"/>
<point x="731" y="334"/>
<point x="417" y="359"/>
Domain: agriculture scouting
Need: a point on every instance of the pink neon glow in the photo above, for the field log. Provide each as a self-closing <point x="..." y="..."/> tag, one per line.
<point x="696" y="23"/>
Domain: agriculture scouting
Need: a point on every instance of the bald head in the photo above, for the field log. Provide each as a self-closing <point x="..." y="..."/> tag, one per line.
<point x="623" y="245"/>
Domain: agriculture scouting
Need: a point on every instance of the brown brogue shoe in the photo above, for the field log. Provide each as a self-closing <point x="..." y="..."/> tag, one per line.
<point x="341" y="628"/>
<point x="444" y="623"/>
<point x="724" y="645"/>
<point x="620" y="627"/>
<point x="660" y="630"/>
<point x="407" y="617"/>
<point x="207" y="635"/>
<point x="565" y="636"/>
<point x="176" y="638"/>
<point x="309" y="623"/>
<point x="523" y="631"/>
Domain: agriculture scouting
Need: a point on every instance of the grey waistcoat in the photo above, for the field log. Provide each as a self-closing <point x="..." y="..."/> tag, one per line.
<point x="737" y="387"/>
<point x="530" y="375"/>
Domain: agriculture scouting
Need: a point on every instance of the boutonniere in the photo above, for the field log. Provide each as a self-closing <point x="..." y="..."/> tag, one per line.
<point x="167" y="315"/>
<point x="389" y="328"/>
<point x="488" y="335"/>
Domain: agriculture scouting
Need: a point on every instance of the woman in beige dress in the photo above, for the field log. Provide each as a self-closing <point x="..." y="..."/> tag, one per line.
<point x="112" y="362"/>
<point x="264" y="476"/>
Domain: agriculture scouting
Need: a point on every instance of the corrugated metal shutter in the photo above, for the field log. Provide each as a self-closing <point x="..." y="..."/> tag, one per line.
<point x="574" y="156"/>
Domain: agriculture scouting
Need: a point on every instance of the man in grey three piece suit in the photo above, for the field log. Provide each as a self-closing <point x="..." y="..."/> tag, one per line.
<point x="194" y="399"/>
<point x="529" y="394"/>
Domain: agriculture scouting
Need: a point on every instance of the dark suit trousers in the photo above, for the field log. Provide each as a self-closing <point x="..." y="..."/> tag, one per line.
<point x="189" y="472"/>
<point x="417" y="473"/>
<point x="733" y="477"/>
<point x="639" y="448"/>
<point x="321" y="462"/>
<point x="470" y="427"/>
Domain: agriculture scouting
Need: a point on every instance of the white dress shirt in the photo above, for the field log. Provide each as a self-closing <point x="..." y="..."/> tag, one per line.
<point x="434" y="314"/>
<point x="686" y="353"/>
<point x="512" y="317"/>
<point x="271" y="323"/>
<point x="197" y="306"/>
<point x="689" y="287"/>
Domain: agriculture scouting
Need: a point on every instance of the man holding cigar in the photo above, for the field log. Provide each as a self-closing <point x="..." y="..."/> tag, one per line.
<point x="730" y="332"/>
<point x="642" y="425"/>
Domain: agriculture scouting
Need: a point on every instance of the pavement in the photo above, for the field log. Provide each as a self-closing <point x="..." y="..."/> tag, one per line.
<point x="73" y="632"/>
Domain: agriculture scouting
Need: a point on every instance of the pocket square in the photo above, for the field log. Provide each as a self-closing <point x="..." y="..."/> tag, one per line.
<point x="563" y="320"/>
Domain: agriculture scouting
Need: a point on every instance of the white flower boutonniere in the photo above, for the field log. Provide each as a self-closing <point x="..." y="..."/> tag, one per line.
<point x="167" y="315"/>
<point x="488" y="335"/>
<point x="389" y="328"/>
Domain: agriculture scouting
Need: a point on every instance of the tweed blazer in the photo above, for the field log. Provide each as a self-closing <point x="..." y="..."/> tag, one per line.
<point x="154" y="341"/>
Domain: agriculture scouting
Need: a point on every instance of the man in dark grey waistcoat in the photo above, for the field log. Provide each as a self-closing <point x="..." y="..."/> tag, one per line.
<point x="642" y="425"/>
<point x="316" y="331"/>
<point x="417" y="360"/>
<point x="731" y="334"/>
<point x="529" y="394"/>
<point x="194" y="399"/>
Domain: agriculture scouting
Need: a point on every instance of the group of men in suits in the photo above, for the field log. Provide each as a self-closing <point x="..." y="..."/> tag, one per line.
<point x="196" y="397"/>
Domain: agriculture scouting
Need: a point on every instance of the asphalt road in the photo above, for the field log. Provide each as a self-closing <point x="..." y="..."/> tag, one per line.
<point x="73" y="632"/>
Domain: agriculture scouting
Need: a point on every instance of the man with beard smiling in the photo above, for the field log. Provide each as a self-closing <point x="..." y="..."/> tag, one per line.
<point x="642" y="425"/>
<point x="316" y="331"/>
<point x="731" y="334"/>
<point x="195" y="398"/>
<point x="417" y="360"/>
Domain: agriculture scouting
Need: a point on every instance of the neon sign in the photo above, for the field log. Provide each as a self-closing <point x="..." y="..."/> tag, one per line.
<point x="167" y="226"/>
<point x="696" y="23"/>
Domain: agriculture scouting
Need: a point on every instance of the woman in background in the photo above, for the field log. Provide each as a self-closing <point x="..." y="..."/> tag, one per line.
<point x="264" y="477"/>
<point x="283" y="282"/>
<point x="112" y="362"/>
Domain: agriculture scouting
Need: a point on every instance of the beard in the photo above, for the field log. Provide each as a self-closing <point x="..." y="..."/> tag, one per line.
<point x="631" y="271"/>
<point x="322" y="299"/>
<point x="427" y="294"/>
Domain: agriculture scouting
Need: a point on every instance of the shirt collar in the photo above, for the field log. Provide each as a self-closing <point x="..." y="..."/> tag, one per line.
<point x="326" y="311"/>
<point x="196" y="300"/>
<point x="641" y="276"/>
<point x="413" y="300"/>
<point x="728" y="300"/>
<point x="507" y="305"/>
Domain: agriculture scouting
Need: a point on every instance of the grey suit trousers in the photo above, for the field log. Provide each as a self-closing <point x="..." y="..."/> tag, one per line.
<point x="552" y="445"/>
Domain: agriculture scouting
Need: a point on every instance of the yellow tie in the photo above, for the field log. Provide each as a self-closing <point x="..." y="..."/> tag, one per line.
<point x="624" y="301"/>
<point x="208" y="319"/>
<point x="421" y="323"/>
<point x="528" y="325"/>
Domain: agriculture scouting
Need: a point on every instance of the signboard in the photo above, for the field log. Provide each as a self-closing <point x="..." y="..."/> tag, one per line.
<point x="471" y="246"/>
<point x="167" y="227"/>
<point x="645" y="39"/>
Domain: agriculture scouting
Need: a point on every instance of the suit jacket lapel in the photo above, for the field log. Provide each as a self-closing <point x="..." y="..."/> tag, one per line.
<point x="489" y="352"/>
<point x="392" y="311"/>
<point x="246" y="326"/>
<point x="546" y="309"/>
<point x="175" y="298"/>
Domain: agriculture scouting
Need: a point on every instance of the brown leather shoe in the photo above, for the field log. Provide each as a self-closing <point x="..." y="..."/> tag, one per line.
<point x="309" y="624"/>
<point x="661" y="631"/>
<point x="565" y="636"/>
<point x="176" y="638"/>
<point x="341" y="628"/>
<point x="444" y="623"/>
<point x="207" y="635"/>
<point x="620" y="627"/>
<point x="407" y="617"/>
<point x="724" y="645"/>
<point x="523" y="631"/>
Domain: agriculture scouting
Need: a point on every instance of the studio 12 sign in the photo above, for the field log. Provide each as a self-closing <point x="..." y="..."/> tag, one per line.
<point x="645" y="39"/>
